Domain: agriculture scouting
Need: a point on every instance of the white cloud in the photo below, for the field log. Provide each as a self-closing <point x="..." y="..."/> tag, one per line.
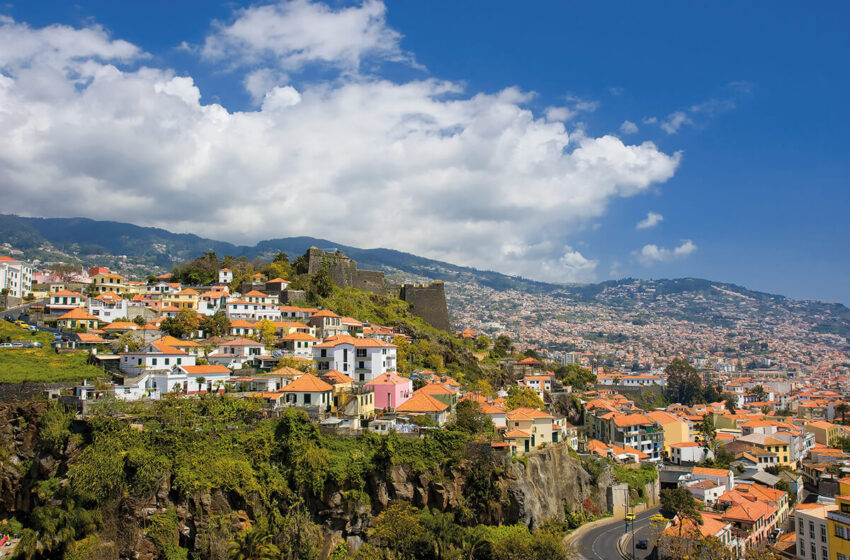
<point x="674" y="122"/>
<point x="652" y="219"/>
<point x="292" y="34"/>
<point x="628" y="127"/>
<point x="651" y="254"/>
<point x="559" y="114"/>
<point x="421" y="166"/>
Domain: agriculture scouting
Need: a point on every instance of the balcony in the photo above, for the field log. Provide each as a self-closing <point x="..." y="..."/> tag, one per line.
<point x="839" y="517"/>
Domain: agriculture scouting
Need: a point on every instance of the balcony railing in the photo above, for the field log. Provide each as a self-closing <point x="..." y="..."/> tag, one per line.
<point x="839" y="516"/>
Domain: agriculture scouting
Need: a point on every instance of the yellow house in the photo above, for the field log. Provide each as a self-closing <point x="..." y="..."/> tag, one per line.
<point x="825" y="432"/>
<point x="770" y="444"/>
<point x="184" y="299"/>
<point x="77" y="319"/>
<point x="676" y="429"/>
<point x="108" y="282"/>
<point x="838" y="528"/>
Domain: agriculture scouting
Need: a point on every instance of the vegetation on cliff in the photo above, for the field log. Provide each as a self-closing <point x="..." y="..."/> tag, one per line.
<point x="170" y="478"/>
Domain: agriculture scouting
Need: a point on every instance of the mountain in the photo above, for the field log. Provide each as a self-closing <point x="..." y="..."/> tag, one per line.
<point x="690" y="299"/>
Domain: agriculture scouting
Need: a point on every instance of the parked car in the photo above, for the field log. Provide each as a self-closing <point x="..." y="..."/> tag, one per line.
<point x="642" y="544"/>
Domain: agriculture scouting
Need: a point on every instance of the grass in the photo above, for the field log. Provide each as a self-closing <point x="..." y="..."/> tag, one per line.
<point x="40" y="365"/>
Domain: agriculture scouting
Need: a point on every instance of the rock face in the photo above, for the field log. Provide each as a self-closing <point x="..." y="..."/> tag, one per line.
<point x="552" y="478"/>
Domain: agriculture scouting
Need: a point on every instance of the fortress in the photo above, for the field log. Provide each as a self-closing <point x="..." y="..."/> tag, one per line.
<point x="427" y="301"/>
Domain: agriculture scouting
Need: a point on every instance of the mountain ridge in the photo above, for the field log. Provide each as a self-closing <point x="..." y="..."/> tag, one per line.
<point x="89" y="239"/>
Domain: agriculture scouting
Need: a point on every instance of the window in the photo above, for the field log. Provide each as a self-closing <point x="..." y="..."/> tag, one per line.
<point x="814" y="551"/>
<point x="361" y="365"/>
<point x="323" y="353"/>
<point x="842" y="557"/>
<point x="179" y="361"/>
<point x="306" y="398"/>
<point x="824" y="553"/>
<point x="812" y="530"/>
<point x="823" y="533"/>
<point x="153" y="361"/>
<point x="361" y="352"/>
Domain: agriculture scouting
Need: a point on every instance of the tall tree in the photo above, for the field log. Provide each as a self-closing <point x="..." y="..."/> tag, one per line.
<point x="684" y="384"/>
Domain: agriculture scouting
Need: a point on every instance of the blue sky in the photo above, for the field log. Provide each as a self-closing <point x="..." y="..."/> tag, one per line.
<point x="751" y="96"/>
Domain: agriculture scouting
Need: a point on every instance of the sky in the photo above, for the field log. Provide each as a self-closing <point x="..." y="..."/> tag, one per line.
<point x="560" y="141"/>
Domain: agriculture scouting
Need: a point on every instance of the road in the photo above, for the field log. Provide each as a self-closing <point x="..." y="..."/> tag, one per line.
<point x="601" y="543"/>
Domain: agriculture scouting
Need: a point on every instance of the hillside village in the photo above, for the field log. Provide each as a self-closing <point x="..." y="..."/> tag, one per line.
<point x="755" y="460"/>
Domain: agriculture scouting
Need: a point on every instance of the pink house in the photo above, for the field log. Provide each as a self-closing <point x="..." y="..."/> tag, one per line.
<point x="391" y="390"/>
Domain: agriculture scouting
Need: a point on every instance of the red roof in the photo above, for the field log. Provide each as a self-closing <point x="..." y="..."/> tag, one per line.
<point x="422" y="403"/>
<point x="307" y="383"/>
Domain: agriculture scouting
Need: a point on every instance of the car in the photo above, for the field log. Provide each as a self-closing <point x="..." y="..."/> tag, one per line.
<point x="630" y="517"/>
<point x="33" y="328"/>
<point x="642" y="544"/>
<point x="22" y="324"/>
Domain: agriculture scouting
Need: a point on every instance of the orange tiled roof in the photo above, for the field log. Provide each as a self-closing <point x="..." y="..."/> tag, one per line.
<point x="307" y="383"/>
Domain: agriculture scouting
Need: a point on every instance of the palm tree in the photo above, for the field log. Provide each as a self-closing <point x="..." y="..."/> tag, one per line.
<point x="253" y="544"/>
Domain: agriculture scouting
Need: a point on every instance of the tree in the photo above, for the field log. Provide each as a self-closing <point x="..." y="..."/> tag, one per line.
<point x="130" y="340"/>
<point x="575" y="376"/>
<point x="758" y="393"/>
<point x="321" y="285"/>
<point x="139" y="320"/>
<point x="254" y="544"/>
<point x="523" y="397"/>
<point x="182" y="325"/>
<point x="399" y="529"/>
<point x="482" y="342"/>
<point x="216" y="325"/>
<point x="708" y="435"/>
<point x="730" y="404"/>
<point x="842" y="408"/>
<point x="265" y="331"/>
<point x="470" y="419"/>
<point x="502" y="347"/>
<point x="684" y="384"/>
<point x="680" y="502"/>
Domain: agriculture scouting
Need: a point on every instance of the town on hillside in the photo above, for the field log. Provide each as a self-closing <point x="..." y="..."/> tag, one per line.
<point x="751" y="461"/>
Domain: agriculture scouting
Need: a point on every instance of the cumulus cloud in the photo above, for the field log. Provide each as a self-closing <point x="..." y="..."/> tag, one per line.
<point x="295" y="33"/>
<point x="651" y="254"/>
<point x="422" y="166"/>
<point x="652" y="219"/>
<point x="675" y="121"/>
<point x="628" y="127"/>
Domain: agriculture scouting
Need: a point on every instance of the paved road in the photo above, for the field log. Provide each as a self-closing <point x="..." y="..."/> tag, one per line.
<point x="601" y="543"/>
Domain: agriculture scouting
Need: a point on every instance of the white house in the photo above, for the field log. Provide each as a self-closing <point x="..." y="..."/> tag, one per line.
<point x="721" y="476"/>
<point x="361" y="358"/>
<point x="15" y="276"/>
<point x="213" y="376"/>
<point x="299" y="344"/>
<point x="689" y="452"/>
<point x="210" y="303"/>
<point x="309" y="391"/>
<point x="65" y="300"/>
<point x="256" y="311"/>
<point x="153" y="357"/>
<point x="235" y="353"/>
<point x="707" y="490"/>
<point x="225" y="276"/>
<point x="630" y="380"/>
<point x="108" y="307"/>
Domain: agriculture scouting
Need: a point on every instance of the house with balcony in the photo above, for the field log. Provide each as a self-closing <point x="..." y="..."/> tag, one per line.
<point x="362" y="358"/>
<point x="108" y="307"/>
<point x="327" y="324"/>
<point x="838" y="524"/>
<point x="235" y="353"/>
<point x="422" y="404"/>
<point x="64" y="301"/>
<point x="104" y="281"/>
<point x="633" y="430"/>
<point x="253" y="310"/>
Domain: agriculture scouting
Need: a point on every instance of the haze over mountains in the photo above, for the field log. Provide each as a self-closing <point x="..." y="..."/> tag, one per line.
<point x="697" y="300"/>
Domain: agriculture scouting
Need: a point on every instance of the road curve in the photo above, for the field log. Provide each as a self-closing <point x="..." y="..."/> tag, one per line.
<point x="601" y="543"/>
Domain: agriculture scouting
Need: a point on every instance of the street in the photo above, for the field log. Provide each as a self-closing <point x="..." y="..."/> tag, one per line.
<point x="601" y="543"/>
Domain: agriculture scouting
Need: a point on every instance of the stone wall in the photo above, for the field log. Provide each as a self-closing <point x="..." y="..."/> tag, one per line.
<point x="429" y="302"/>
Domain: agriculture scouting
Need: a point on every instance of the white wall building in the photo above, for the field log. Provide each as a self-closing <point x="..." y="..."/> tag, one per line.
<point x="108" y="307"/>
<point x="15" y="276"/>
<point x="361" y="358"/>
<point x="154" y="357"/>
